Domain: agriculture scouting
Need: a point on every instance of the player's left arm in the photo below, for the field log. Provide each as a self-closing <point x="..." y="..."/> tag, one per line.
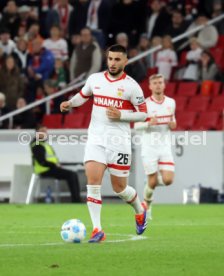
<point x="138" y="101"/>
<point x="79" y="99"/>
<point x="173" y="124"/>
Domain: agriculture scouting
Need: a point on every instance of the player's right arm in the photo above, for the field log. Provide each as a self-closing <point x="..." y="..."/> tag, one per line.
<point x="173" y="124"/>
<point x="145" y="125"/>
<point x="79" y="99"/>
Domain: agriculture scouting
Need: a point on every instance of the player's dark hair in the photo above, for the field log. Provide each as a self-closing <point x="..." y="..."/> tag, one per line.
<point x="117" y="48"/>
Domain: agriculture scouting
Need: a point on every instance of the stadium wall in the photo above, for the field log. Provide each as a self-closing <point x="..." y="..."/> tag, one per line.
<point x="198" y="159"/>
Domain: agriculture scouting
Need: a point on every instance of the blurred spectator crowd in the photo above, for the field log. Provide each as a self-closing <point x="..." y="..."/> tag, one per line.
<point x="47" y="44"/>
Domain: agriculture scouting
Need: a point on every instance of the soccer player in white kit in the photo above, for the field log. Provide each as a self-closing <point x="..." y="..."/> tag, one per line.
<point x="117" y="100"/>
<point x="156" y="139"/>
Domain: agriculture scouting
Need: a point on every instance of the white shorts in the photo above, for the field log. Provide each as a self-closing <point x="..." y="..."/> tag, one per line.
<point x="118" y="163"/>
<point x="158" y="159"/>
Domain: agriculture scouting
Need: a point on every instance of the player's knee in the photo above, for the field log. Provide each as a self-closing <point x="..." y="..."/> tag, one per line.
<point x="168" y="181"/>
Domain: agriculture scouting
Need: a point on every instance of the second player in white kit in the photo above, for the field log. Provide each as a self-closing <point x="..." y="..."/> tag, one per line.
<point x="156" y="138"/>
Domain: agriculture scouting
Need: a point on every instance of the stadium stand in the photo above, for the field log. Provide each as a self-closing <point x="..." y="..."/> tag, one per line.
<point x="171" y="88"/>
<point x="187" y="94"/>
<point x="187" y="89"/>
<point x="218" y="54"/>
<point x="74" y="120"/>
<point x="198" y="103"/>
<point x="207" y="120"/>
<point x="181" y="102"/>
<point x="53" y="121"/>
<point x="217" y="103"/>
<point x="186" y="120"/>
<point x="210" y="88"/>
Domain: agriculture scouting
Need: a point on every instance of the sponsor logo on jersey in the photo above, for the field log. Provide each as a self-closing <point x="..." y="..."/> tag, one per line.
<point x="140" y="100"/>
<point x="162" y="120"/>
<point x="108" y="102"/>
<point x="120" y="92"/>
<point x="105" y="101"/>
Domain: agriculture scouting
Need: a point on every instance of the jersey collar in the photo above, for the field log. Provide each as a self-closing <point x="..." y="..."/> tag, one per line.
<point x="158" y="102"/>
<point x="123" y="76"/>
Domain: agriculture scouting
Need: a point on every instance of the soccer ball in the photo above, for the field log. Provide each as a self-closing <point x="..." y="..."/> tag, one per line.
<point x="73" y="230"/>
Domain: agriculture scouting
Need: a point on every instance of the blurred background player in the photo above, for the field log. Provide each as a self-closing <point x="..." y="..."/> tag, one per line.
<point x="156" y="139"/>
<point x="115" y="96"/>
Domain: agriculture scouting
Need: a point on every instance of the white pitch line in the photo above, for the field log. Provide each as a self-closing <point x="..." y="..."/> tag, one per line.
<point x="29" y="244"/>
<point x="128" y="238"/>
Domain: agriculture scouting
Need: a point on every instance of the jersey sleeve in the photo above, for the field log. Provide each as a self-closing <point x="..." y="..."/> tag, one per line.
<point x="138" y="99"/>
<point x="86" y="91"/>
<point x="142" y="125"/>
<point x="174" y="110"/>
<point x="83" y="95"/>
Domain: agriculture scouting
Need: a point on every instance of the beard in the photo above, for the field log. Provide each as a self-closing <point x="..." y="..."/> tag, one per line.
<point x="158" y="92"/>
<point x="115" y="73"/>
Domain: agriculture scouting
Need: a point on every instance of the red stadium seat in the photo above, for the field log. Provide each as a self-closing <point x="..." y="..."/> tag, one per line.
<point x="198" y="103"/>
<point x="183" y="60"/>
<point x="216" y="88"/>
<point x="185" y="120"/>
<point x="85" y="108"/>
<point x="52" y="121"/>
<point x="207" y="120"/>
<point x="220" y="124"/>
<point x="152" y="71"/>
<point x="145" y="87"/>
<point x="87" y="120"/>
<point x="217" y="104"/>
<point x="171" y="88"/>
<point x="181" y="103"/>
<point x="220" y="42"/>
<point x="218" y="54"/>
<point x="210" y="88"/>
<point x="74" y="120"/>
<point x="187" y="88"/>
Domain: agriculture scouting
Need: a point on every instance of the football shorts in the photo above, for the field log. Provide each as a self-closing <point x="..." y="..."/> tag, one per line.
<point x="158" y="159"/>
<point x="118" y="163"/>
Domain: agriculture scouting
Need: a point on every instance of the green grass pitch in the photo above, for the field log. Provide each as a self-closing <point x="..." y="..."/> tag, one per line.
<point x="181" y="240"/>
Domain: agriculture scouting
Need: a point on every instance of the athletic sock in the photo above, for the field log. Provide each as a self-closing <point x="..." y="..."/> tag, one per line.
<point x="94" y="203"/>
<point x="130" y="196"/>
<point x="148" y="194"/>
<point x="160" y="180"/>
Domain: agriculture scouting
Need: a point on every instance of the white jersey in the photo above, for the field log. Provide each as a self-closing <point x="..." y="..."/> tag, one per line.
<point x="165" y="60"/>
<point x="158" y="135"/>
<point x="8" y="48"/>
<point x="124" y="94"/>
<point x="59" y="48"/>
<point x="191" y="71"/>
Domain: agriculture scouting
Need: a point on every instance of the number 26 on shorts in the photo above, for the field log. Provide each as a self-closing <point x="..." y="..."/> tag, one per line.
<point x="123" y="159"/>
